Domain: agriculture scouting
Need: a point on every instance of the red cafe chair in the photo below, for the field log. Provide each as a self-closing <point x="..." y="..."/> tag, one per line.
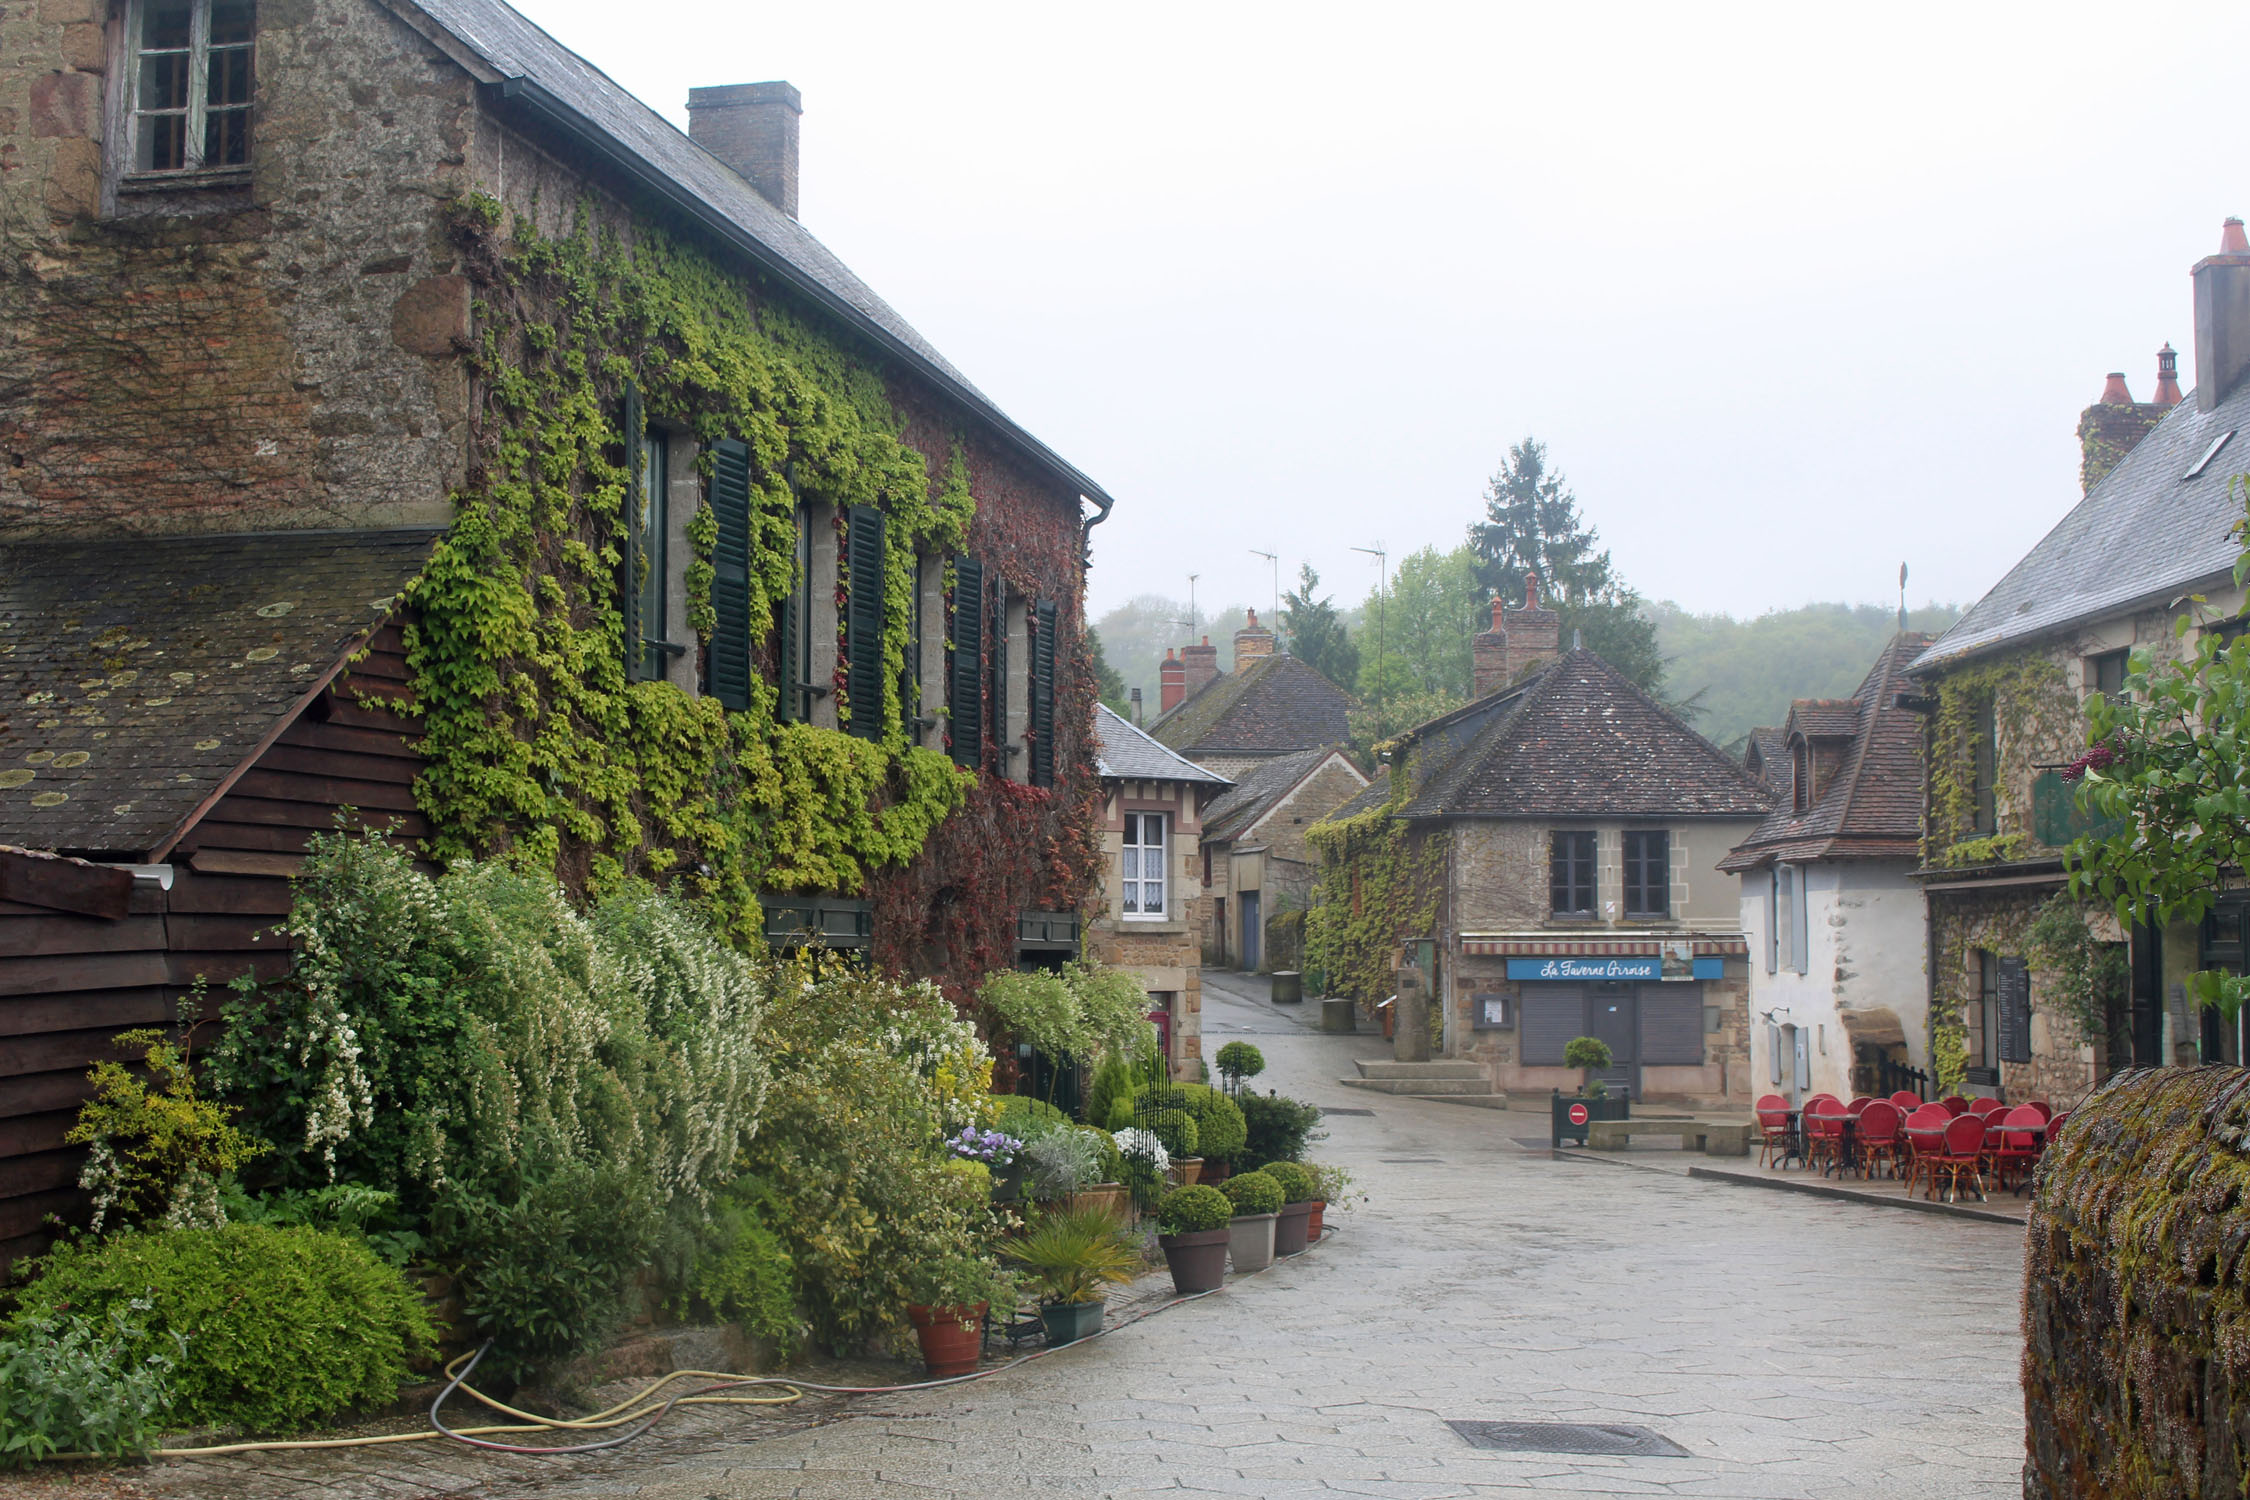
<point x="1907" y="1101"/>
<point x="2046" y="1112"/>
<point x="1859" y="1106"/>
<point x="1955" y="1104"/>
<point x="2022" y="1137"/>
<point x="1963" y="1151"/>
<point x="1986" y="1107"/>
<point x="1879" y="1141"/>
<point x="1924" y="1132"/>
<point x="1773" y="1129"/>
<point x="1820" y="1134"/>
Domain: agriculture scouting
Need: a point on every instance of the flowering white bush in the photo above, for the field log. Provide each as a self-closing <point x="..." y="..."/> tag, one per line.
<point x="1141" y="1147"/>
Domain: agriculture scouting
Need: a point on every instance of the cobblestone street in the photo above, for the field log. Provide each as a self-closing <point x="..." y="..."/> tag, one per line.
<point x="1795" y="1347"/>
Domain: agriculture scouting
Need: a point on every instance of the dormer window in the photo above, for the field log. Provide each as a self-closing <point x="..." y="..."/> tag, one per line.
<point x="1800" y="775"/>
<point x="192" y="84"/>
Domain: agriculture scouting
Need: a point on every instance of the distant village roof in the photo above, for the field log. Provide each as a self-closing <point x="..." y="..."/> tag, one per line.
<point x="2147" y="533"/>
<point x="1823" y="718"/>
<point x="136" y="678"/>
<point x="1276" y="704"/>
<point x="1575" y="739"/>
<point x="527" y="70"/>
<point x="1767" y="757"/>
<point x="1872" y="806"/>
<point x="1125" y="753"/>
<point x="1258" y="791"/>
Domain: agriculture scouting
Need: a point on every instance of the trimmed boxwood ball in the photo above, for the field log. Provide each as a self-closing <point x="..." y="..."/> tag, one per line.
<point x="1221" y="1132"/>
<point x="1240" y="1060"/>
<point x="1253" y="1193"/>
<point x="1297" y="1184"/>
<point x="282" y="1326"/>
<point x="1193" y="1210"/>
<point x="1176" y="1129"/>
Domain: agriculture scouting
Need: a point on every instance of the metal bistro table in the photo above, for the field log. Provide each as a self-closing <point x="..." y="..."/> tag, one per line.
<point x="1847" y="1144"/>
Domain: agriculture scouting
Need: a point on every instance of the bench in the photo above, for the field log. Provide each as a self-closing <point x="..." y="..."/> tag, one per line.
<point x="1709" y="1137"/>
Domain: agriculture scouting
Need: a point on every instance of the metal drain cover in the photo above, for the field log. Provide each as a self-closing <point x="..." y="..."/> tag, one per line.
<point x="1608" y="1438"/>
<point x="1326" y="1110"/>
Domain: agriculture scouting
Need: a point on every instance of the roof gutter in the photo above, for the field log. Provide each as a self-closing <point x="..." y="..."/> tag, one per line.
<point x="526" y="97"/>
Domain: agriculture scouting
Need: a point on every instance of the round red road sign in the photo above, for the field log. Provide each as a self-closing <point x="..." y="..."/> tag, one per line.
<point x="1578" y="1114"/>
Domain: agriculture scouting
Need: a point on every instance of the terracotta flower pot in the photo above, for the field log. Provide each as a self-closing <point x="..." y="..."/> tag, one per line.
<point x="1250" y="1241"/>
<point x="1198" y="1260"/>
<point x="1290" y="1230"/>
<point x="1187" y="1170"/>
<point x="1114" y="1196"/>
<point x="1215" y="1172"/>
<point x="1315" y="1229"/>
<point x="952" y="1338"/>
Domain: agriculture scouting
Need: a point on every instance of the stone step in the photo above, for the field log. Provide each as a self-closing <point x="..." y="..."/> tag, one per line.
<point x="1437" y="1068"/>
<point x="1474" y="1100"/>
<point x="1479" y="1084"/>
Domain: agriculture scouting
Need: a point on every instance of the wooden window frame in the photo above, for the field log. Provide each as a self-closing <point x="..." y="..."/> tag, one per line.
<point x="1639" y="883"/>
<point x="1131" y="889"/>
<point x="129" y="55"/>
<point x="1564" y="868"/>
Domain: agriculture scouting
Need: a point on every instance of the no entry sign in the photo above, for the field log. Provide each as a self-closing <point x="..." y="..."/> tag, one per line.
<point x="1578" y="1114"/>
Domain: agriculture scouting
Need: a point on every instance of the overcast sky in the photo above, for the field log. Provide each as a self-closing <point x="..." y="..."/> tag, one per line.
<point x="1792" y="293"/>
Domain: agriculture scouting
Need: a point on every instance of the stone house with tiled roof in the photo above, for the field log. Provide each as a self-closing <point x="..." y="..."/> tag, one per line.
<point x="1567" y="828"/>
<point x="1257" y="868"/>
<point x="1151" y="909"/>
<point x="2005" y="688"/>
<point x="1271" y="704"/>
<point x="1838" y="996"/>
<point x="400" y="416"/>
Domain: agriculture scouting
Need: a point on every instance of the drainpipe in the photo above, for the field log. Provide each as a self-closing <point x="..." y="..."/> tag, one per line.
<point x="1086" y="531"/>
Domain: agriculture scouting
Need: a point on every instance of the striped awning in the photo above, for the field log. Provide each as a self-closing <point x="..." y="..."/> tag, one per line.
<point x="1548" y="945"/>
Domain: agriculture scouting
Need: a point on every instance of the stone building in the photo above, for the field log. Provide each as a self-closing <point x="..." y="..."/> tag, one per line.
<point x="1271" y="704"/>
<point x="1148" y="913"/>
<point x="2004" y="691"/>
<point x="1839" y="1001"/>
<point x="1257" y="866"/>
<point x="1542" y="863"/>
<point x="673" y="550"/>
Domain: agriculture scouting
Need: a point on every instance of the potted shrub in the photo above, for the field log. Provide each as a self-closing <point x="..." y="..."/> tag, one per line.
<point x="1334" y="1190"/>
<point x="1590" y="1055"/>
<point x="1072" y="1256"/>
<point x="1108" y="1189"/>
<point x="1192" y="1228"/>
<point x="1237" y="1061"/>
<point x="1146" y="1161"/>
<point x="1058" y="1166"/>
<point x="1572" y="1115"/>
<point x="1291" y="1230"/>
<point x="1257" y="1204"/>
<point x="998" y="1152"/>
<point x="1221" y="1133"/>
<point x="1175" y="1129"/>
<point x="948" y="1313"/>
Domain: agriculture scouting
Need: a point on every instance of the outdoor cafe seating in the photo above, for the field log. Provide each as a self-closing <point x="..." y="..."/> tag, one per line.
<point x="1946" y="1145"/>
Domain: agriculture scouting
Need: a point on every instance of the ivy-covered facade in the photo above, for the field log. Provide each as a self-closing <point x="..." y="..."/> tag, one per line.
<point x="729" y="580"/>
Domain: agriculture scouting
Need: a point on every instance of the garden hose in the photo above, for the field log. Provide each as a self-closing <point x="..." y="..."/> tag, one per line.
<point x="637" y="1408"/>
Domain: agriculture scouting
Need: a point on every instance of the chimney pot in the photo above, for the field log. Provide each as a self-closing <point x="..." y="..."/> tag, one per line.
<point x="1251" y="642"/>
<point x="1198" y="665"/>
<point x="1171" y="683"/>
<point x="2114" y="392"/>
<point x="2167" y="376"/>
<point x="1531" y="591"/>
<point x="2231" y="239"/>
<point x="752" y="127"/>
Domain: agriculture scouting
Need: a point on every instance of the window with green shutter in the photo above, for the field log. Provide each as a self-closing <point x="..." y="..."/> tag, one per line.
<point x="730" y="654"/>
<point x="863" y="629"/>
<point x="965" y="668"/>
<point x="1043" y="695"/>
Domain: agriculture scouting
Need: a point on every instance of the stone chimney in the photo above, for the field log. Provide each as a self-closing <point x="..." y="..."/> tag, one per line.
<point x="2222" y="318"/>
<point x="752" y="127"/>
<point x="1488" y="657"/>
<point x="1251" y="642"/>
<point x="1534" y="634"/>
<point x="2109" y="428"/>
<point x="1199" y="665"/>
<point x="1171" y="682"/>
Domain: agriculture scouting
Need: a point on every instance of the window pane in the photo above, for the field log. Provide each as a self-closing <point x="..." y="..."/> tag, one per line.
<point x="1132" y="896"/>
<point x="165" y="23"/>
<point x="164" y="81"/>
<point x="1132" y="863"/>
<point x="1152" y="832"/>
<point x="231" y="22"/>
<point x="162" y="146"/>
<point x="1132" y="828"/>
<point x="1152" y="896"/>
<point x="226" y="138"/>
<point x="229" y="81"/>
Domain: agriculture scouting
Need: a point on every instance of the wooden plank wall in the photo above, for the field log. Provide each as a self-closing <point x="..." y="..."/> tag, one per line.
<point x="70" y="982"/>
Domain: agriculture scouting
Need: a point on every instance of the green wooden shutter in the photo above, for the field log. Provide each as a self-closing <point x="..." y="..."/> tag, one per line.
<point x="1043" y="696"/>
<point x="965" y="672"/>
<point x="863" y="630"/>
<point x="730" y="574"/>
<point x="629" y="586"/>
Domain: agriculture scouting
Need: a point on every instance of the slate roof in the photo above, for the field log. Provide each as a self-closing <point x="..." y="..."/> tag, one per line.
<point x="1823" y="718"/>
<point x="1275" y="704"/>
<point x="1125" y="753"/>
<point x="1259" y="790"/>
<point x="1767" y="758"/>
<point x="532" y="71"/>
<point x="1872" y="807"/>
<point x="1575" y="739"/>
<point x="134" y="677"/>
<point x="2145" y="535"/>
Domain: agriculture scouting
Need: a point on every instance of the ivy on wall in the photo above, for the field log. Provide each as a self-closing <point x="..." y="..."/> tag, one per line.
<point x="540" y="750"/>
<point x="1379" y="882"/>
<point x="2036" y="713"/>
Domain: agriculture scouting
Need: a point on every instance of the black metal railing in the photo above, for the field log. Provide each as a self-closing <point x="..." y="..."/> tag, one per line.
<point x="1895" y="1077"/>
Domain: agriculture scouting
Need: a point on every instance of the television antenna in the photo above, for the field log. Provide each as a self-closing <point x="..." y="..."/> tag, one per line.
<point x="1275" y="560"/>
<point x="1382" y="595"/>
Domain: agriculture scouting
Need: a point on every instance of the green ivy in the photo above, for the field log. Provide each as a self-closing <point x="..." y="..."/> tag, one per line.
<point x="1377" y="882"/>
<point x="2028" y="693"/>
<point x="540" y="750"/>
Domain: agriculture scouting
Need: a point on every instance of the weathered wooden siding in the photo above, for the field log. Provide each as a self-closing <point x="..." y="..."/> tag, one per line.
<point x="71" y="980"/>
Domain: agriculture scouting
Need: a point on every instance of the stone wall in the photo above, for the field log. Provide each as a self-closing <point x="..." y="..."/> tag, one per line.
<point x="2136" y="1330"/>
<point x="2061" y="1069"/>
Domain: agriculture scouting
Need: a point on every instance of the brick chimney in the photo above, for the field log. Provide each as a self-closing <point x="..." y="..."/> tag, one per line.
<point x="1171" y="682"/>
<point x="2109" y="428"/>
<point x="1488" y="655"/>
<point x="752" y="127"/>
<point x="1199" y="665"/>
<point x="1534" y="634"/>
<point x="2222" y="318"/>
<point x="1251" y="642"/>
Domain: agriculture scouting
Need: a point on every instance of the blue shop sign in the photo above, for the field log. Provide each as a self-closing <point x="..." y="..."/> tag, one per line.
<point x="1600" y="969"/>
